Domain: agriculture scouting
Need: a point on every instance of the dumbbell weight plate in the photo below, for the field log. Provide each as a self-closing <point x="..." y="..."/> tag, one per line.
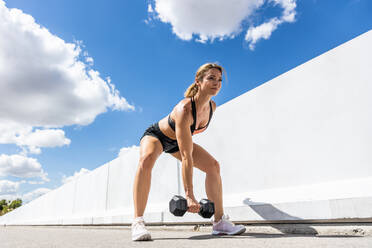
<point x="206" y="208"/>
<point x="178" y="205"/>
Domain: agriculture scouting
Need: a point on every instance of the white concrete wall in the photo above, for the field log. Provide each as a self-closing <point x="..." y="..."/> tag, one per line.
<point x="307" y="126"/>
<point x="295" y="148"/>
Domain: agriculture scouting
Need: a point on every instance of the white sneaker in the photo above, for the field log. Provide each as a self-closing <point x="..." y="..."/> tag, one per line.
<point x="226" y="227"/>
<point x="139" y="231"/>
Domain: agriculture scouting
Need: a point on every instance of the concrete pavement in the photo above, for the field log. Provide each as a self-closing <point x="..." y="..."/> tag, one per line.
<point x="184" y="236"/>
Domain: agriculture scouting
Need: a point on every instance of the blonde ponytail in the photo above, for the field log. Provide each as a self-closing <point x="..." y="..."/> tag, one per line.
<point x="193" y="89"/>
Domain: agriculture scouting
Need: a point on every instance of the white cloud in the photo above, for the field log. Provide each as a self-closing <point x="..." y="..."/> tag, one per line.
<point x="21" y="166"/>
<point x="76" y="175"/>
<point x="89" y="60"/>
<point x="10" y="131"/>
<point x="9" y="191"/>
<point x="264" y="30"/>
<point x="33" y="195"/>
<point x="35" y="182"/>
<point x="8" y="187"/>
<point x="218" y="19"/>
<point x="45" y="84"/>
<point x="44" y="138"/>
<point x="31" y="149"/>
<point x="32" y="139"/>
<point x="150" y="9"/>
<point x="126" y="150"/>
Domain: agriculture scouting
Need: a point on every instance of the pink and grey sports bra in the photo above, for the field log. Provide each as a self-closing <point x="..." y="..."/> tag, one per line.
<point x="192" y="127"/>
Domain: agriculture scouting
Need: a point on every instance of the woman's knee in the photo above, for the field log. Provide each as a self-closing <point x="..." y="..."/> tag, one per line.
<point x="147" y="161"/>
<point x="215" y="167"/>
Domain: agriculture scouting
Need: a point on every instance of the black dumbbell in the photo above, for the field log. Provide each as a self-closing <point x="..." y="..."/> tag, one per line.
<point x="178" y="207"/>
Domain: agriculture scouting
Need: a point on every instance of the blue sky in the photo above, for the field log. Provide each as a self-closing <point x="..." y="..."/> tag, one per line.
<point x="150" y="51"/>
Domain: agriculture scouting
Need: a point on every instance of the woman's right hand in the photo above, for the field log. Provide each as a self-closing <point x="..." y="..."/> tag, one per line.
<point x="193" y="205"/>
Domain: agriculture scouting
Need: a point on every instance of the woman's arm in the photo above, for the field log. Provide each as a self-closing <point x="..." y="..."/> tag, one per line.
<point x="183" y="119"/>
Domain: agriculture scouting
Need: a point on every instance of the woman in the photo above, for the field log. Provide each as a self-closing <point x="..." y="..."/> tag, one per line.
<point x="172" y="135"/>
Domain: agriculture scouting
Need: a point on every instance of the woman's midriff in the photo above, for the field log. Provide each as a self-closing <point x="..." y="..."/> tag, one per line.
<point x="166" y="129"/>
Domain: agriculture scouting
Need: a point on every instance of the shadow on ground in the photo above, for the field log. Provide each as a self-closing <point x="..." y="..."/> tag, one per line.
<point x="254" y="235"/>
<point x="269" y="212"/>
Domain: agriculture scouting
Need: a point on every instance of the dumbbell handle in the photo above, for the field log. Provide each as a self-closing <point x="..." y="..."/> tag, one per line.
<point x="204" y="205"/>
<point x="189" y="207"/>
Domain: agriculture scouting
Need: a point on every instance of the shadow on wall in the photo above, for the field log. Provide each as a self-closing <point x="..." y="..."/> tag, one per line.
<point x="271" y="213"/>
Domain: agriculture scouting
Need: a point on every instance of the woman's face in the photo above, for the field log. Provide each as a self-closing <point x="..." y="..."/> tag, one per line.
<point x="211" y="83"/>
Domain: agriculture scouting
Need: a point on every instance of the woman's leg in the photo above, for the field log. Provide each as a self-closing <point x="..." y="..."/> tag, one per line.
<point x="213" y="183"/>
<point x="150" y="150"/>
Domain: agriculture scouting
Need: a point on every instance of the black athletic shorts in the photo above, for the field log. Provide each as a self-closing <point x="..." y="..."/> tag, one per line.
<point x="169" y="145"/>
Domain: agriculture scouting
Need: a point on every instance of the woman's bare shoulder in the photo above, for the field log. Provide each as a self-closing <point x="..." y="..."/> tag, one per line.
<point x="183" y="109"/>
<point x="184" y="103"/>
